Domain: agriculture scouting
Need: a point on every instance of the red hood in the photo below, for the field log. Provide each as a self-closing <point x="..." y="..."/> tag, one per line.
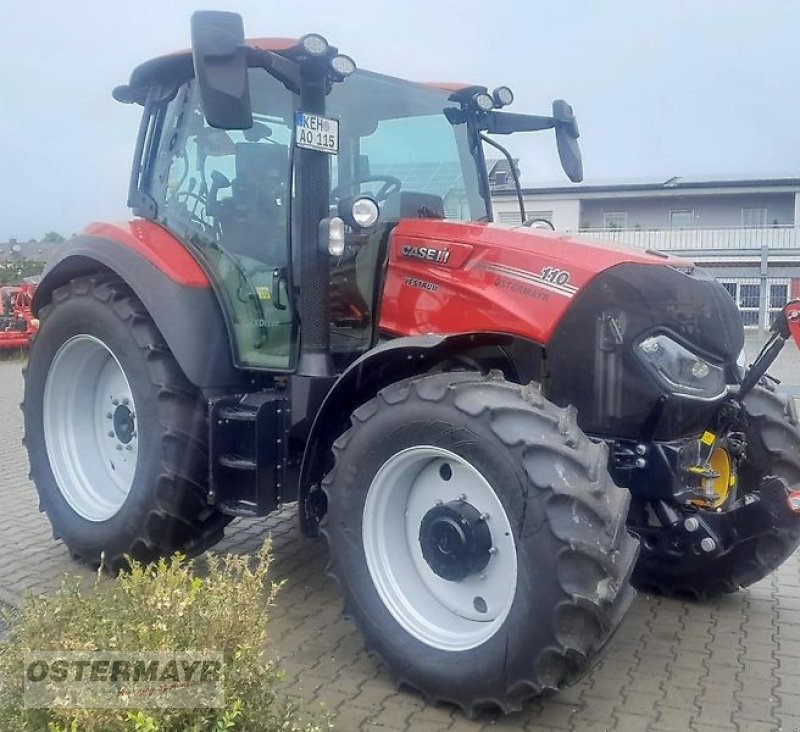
<point x="451" y="277"/>
<point x="589" y="256"/>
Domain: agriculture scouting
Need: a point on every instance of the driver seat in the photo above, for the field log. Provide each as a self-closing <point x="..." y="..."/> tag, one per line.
<point x="253" y="220"/>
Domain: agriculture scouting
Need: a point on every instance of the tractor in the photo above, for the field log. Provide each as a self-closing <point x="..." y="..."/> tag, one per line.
<point x="499" y="430"/>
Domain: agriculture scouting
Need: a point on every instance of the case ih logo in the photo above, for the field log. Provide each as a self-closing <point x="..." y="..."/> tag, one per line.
<point x="430" y="254"/>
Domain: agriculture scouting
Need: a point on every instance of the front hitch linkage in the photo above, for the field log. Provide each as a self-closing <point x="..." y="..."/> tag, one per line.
<point x="785" y="325"/>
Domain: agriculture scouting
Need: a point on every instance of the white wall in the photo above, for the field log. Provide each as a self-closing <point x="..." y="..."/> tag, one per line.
<point x="566" y="212"/>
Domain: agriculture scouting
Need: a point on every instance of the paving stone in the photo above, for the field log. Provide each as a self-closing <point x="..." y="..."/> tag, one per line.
<point x="759" y="710"/>
<point x="672" y="719"/>
<point x="743" y="650"/>
<point x="632" y="723"/>
<point x="715" y="715"/>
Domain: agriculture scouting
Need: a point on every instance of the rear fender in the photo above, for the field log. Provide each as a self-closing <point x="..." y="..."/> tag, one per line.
<point x="386" y="364"/>
<point x="178" y="297"/>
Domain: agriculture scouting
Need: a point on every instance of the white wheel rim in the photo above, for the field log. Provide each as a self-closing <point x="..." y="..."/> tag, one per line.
<point x="90" y="428"/>
<point x="444" y="614"/>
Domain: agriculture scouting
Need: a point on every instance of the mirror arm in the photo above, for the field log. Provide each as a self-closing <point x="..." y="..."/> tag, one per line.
<point x="284" y="70"/>
<point x="506" y="123"/>
<point x="514" y="173"/>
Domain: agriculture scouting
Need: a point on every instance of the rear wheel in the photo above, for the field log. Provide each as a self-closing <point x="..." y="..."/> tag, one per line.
<point x="477" y="538"/>
<point x="116" y="435"/>
<point x="773" y="449"/>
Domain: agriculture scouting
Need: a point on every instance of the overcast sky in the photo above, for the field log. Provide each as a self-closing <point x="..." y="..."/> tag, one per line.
<point x="661" y="88"/>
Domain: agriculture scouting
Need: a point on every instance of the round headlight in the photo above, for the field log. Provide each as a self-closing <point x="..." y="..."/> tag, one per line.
<point x="700" y="369"/>
<point x="503" y="96"/>
<point x="314" y="44"/>
<point x="343" y="65"/>
<point x="483" y="102"/>
<point x="365" y="212"/>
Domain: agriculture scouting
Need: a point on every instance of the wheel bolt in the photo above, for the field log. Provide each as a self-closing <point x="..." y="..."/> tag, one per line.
<point x="129" y="447"/>
<point x="114" y="401"/>
<point x="126" y="401"/>
<point x="462" y="497"/>
<point x="691" y="524"/>
<point x="482" y="575"/>
<point x="119" y="447"/>
<point x="484" y="517"/>
<point x="111" y="433"/>
<point x="708" y="544"/>
<point x="492" y="550"/>
<point x="109" y="415"/>
<point x="439" y="502"/>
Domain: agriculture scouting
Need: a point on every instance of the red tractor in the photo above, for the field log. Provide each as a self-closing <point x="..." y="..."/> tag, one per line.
<point x="17" y="324"/>
<point x="486" y="422"/>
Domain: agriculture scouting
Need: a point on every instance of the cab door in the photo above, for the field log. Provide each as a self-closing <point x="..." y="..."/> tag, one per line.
<point x="227" y="194"/>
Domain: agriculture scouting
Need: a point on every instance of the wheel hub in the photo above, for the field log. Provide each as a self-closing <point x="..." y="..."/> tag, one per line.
<point x="124" y="428"/>
<point x="455" y="540"/>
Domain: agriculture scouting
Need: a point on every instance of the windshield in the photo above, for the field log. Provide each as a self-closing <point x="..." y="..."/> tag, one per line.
<point x="395" y="138"/>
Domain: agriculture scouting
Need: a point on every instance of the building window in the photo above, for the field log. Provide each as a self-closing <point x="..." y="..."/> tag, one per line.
<point x="752" y="217"/>
<point x="546" y="215"/>
<point x="748" y="295"/>
<point x="778" y="297"/>
<point x="512" y="217"/>
<point x="681" y="219"/>
<point x="615" y="220"/>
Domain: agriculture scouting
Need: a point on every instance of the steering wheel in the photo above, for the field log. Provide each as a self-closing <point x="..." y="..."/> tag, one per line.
<point x="391" y="184"/>
<point x="540" y="224"/>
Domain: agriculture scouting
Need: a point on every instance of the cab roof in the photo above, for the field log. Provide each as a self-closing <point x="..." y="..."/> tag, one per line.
<point x="180" y="65"/>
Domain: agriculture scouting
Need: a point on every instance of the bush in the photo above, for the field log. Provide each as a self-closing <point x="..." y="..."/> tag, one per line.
<point x="164" y="606"/>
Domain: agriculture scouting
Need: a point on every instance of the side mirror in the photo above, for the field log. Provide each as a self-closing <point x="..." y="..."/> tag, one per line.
<point x="567" y="135"/>
<point x="220" y="66"/>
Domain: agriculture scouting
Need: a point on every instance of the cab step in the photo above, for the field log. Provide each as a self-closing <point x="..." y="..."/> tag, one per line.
<point x="248" y="449"/>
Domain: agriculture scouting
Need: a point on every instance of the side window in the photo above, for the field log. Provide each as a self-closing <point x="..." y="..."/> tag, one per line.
<point x="227" y="192"/>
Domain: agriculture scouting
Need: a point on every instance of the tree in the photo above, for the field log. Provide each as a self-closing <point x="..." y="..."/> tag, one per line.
<point x="52" y="237"/>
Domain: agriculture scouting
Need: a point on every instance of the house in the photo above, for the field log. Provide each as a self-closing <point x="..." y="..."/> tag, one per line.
<point x="744" y="232"/>
<point x="13" y="250"/>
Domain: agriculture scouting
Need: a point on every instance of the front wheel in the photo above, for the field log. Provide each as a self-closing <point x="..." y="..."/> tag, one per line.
<point x="772" y="436"/>
<point x="477" y="538"/>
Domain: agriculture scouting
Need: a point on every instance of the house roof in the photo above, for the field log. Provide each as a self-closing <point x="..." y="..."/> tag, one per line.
<point x="665" y="186"/>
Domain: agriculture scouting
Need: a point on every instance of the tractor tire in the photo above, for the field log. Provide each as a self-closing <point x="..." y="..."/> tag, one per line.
<point x="115" y="433"/>
<point x="773" y="449"/>
<point x="477" y="538"/>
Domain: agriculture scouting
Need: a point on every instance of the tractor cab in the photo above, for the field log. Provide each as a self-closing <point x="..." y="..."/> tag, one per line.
<point x="376" y="150"/>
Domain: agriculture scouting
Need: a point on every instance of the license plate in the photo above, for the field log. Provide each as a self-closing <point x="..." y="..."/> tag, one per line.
<point x="316" y="133"/>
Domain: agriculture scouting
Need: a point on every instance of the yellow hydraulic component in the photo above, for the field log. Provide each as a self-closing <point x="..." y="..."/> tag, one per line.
<point x="717" y="476"/>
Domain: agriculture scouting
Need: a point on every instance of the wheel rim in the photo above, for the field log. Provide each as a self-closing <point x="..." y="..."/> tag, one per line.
<point x="412" y="543"/>
<point x="90" y="428"/>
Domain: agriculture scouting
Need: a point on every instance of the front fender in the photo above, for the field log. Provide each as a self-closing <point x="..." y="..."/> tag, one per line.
<point x="387" y="363"/>
<point x="179" y="299"/>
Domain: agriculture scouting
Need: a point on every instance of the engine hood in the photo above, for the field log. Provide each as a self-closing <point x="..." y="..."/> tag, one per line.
<point x="590" y="255"/>
<point x="451" y="277"/>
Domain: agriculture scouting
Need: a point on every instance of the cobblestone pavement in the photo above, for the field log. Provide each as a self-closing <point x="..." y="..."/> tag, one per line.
<point x="729" y="664"/>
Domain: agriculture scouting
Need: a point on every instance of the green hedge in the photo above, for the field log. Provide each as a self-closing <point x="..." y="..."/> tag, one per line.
<point x="165" y="606"/>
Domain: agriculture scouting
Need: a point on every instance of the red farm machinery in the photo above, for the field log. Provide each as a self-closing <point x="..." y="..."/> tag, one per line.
<point x="17" y="324"/>
<point x="499" y="430"/>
